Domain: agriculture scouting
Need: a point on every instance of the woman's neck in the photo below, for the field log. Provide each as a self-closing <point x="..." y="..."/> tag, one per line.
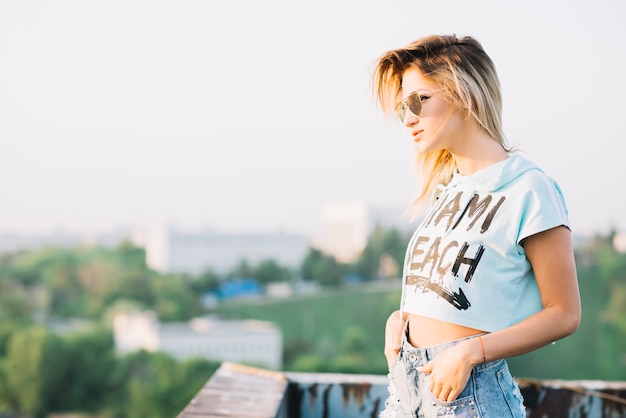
<point x="478" y="152"/>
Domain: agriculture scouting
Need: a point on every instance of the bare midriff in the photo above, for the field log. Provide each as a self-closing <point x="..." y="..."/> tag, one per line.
<point x="426" y="332"/>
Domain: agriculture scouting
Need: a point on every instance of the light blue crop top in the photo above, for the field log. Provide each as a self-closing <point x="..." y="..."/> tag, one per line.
<point x="465" y="264"/>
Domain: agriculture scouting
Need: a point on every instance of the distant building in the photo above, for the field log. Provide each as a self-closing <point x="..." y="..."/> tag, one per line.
<point x="344" y="230"/>
<point x="13" y="242"/>
<point x="171" y="251"/>
<point x="619" y="242"/>
<point x="244" y="341"/>
<point x="241" y="287"/>
<point x="346" y="227"/>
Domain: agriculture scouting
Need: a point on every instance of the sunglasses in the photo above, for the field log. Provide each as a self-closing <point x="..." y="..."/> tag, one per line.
<point x="412" y="102"/>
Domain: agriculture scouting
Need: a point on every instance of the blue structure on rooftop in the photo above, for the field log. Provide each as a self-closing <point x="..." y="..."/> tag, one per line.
<point x="239" y="287"/>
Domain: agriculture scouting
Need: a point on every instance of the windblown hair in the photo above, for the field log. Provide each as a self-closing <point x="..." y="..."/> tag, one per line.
<point x="465" y="71"/>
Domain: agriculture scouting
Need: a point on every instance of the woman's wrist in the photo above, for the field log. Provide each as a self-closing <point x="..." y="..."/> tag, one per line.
<point x="475" y="351"/>
<point x="482" y="348"/>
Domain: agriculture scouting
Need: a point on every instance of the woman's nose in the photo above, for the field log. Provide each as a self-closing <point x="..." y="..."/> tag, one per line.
<point x="409" y="119"/>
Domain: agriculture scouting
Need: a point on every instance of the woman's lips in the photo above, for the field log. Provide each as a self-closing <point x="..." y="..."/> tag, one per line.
<point x="416" y="134"/>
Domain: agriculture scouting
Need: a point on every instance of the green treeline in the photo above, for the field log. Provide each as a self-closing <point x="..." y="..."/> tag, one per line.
<point x="45" y="369"/>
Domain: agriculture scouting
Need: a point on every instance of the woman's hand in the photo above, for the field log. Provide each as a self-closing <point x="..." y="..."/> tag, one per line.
<point x="393" y="336"/>
<point x="451" y="369"/>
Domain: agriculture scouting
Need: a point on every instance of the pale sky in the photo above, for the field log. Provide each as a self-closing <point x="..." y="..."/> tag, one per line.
<point x="251" y="116"/>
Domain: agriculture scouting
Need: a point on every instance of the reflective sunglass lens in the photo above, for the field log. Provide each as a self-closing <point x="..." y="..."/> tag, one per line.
<point x="401" y="110"/>
<point x="414" y="104"/>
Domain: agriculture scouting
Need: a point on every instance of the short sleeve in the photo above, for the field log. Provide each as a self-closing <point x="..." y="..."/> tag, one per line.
<point x="543" y="205"/>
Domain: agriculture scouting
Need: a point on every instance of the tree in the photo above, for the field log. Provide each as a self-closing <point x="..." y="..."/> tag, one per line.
<point x="132" y="257"/>
<point x="14" y="303"/>
<point x="35" y="368"/>
<point x="93" y="358"/>
<point x="155" y="385"/>
<point x="386" y="246"/>
<point x="173" y="298"/>
<point x="101" y="280"/>
<point x="321" y="268"/>
<point x="270" y="271"/>
<point x="207" y="281"/>
<point x="242" y="269"/>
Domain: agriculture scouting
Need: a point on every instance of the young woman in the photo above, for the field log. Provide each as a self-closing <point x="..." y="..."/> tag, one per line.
<point x="489" y="273"/>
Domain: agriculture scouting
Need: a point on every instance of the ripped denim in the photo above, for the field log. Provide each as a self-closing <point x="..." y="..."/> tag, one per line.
<point x="491" y="391"/>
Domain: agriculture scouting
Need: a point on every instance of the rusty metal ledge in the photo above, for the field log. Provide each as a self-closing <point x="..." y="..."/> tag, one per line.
<point x="574" y="398"/>
<point x="241" y="391"/>
<point x="236" y="390"/>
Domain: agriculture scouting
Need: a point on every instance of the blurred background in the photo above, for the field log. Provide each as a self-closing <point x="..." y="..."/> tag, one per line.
<point x="171" y="171"/>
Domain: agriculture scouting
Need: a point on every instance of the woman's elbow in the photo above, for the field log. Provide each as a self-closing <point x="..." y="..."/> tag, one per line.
<point x="571" y="321"/>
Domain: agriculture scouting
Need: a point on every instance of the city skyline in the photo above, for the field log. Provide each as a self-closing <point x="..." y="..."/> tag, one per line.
<point x="253" y="116"/>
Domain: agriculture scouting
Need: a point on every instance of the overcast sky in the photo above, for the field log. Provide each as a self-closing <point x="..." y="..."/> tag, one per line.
<point x="252" y="115"/>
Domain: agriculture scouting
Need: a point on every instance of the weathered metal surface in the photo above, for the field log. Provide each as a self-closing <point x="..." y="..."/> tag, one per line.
<point x="326" y="395"/>
<point x="574" y="399"/>
<point x="241" y="391"/>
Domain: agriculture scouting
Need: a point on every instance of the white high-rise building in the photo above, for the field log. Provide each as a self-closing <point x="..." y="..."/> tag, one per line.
<point x="171" y="251"/>
<point x="346" y="227"/>
<point x="344" y="230"/>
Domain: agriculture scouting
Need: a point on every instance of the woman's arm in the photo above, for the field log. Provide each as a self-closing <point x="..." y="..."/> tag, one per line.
<point x="551" y="256"/>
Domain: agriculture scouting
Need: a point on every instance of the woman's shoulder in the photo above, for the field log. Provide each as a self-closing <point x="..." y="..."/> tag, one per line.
<point x="527" y="174"/>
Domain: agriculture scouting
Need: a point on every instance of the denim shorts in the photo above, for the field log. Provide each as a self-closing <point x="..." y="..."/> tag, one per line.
<point x="491" y="391"/>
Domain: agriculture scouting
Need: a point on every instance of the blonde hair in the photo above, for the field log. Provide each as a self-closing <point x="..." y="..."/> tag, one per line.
<point x="465" y="71"/>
